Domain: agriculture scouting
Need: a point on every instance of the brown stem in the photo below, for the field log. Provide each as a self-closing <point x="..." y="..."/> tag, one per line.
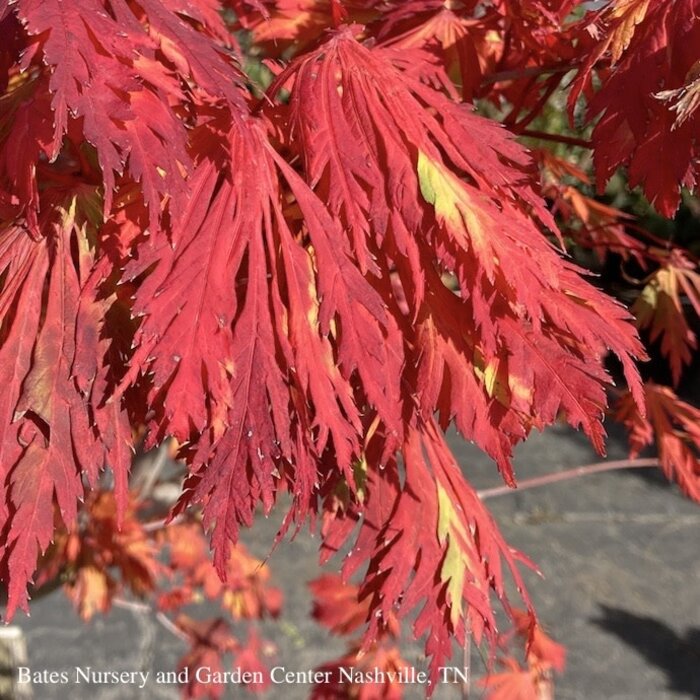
<point x="574" y="473"/>
<point x="512" y="116"/>
<point x="559" y="138"/>
<point x="506" y="75"/>
<point x="551" y="86"/>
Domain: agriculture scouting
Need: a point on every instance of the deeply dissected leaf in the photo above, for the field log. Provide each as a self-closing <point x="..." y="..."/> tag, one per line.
<point x="110" y="554"/>
<point x="306" y="293"/>
<point x="655" y="46"/>
<point x="378" y="674"/>
<point x="674" y="425"/>
<point x="541" y="648"/>
<point x="337" y="605"/>
<point x="95" y="78"/>
<point x="50" y="434"/>
<point x="278" y="338"/>
<point x="591" y="223"/>
<point x="426" y="540"/>
<point x="210" y="641"/>
<point x="660" y="309"/>
<point x="534" y="680"/>
<point x="420" y="24"/>
<point x="476" y="227"/>
<point x="282" y="25"/>
<point x="246" y="593"/>
<point x="513" y="683"/>
<point x="120" y="97"/>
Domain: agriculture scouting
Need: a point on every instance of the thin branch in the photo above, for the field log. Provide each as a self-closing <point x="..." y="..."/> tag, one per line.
<point x="574" y="473"/>
<point x="559" y="138"/>
<point x="507" y="75"/>
<point x="551" y="85"/>
<point x="155" y="525"/>
<point x="153" y="471"/>
<point x="132" y="605"/>
<point x="164" y="620"/>
<point x="169" y="625"/>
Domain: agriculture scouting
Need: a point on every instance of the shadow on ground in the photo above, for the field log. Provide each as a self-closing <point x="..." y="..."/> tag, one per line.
<point x="678" y="656"/>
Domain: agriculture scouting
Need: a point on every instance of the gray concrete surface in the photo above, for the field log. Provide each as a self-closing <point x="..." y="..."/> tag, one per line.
<point x="621" y="589"/>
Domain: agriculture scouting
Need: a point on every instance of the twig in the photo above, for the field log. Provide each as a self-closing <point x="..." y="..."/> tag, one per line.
<point x="132" y="605"/>
<point x="155" y="468"/>
<point x="559" y="138"/>
<point x="520" y="125"/>
<point x="574" y="473"/>
<point x="155" y="525"/>
<point x="164" y="620"/>
<point x="507" y="75"/>
<point x="169" y="625"/>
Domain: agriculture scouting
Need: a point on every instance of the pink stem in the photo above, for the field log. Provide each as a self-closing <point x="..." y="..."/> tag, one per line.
<point x="574" y="473"/>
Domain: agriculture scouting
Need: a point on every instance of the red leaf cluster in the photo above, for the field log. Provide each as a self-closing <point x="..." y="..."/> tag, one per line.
<point x="245" y="594"/>
<point x="306" y="288"/>
<point x="103" y="563"/>
<point x="674" y="426"/>
<point x="210" y="642"/>
<point x="104" y="559"/>
<point x="377" y="669"/>
<point x="648" y="97"/>
<point x="534" y="679"/>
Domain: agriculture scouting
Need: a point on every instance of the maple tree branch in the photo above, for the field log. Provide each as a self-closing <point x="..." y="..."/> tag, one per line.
<point x="162" y="618"/>
<point x="551" y="85"/>
<point x="146" y="480"/>
<point x="575" y="473"/>
<point x="169" y="625"/>
<point x="517" y="106"/>
<point x="132" y="605"/>
<point x="662" y="243"/>
<point x="529" y="72"/>
<point x="155" y="525"/>
<point x="558" y="138"/>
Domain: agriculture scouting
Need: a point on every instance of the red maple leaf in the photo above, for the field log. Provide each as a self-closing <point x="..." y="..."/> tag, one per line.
<point x="245" y="594"/>
<point x="661" y="309"/>
<point x="337" y="605"/>
<point x="378" y="671"/>
<point x="653" y="45"/>
<point x="543" y="655"/>
<point x="110" y="554"/>
<point x="306" y="293"/>
<point x="674" y="426"/>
